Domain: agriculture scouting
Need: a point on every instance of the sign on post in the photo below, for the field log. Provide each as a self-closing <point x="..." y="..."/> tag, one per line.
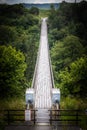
<point x="27" y="115"/>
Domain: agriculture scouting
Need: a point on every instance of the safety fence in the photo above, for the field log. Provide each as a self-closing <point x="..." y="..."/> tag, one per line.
<point x="17" y="117"/>
<point x="57" y="117"/>
<point x="68" y="119"/>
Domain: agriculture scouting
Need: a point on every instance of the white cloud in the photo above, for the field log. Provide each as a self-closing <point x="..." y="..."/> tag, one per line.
<point x="45" y="1"/>
<point x="36" y="1"/>
<point x="2" y="1"/>
<point x="30" y="1"/>
<point x="72" y="1"/>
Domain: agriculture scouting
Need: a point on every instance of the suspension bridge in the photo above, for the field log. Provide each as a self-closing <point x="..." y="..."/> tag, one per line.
<point x="43" y="83"/>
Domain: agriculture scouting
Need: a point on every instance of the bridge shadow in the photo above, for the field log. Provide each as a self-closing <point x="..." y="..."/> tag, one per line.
<point x="28" y="128"/>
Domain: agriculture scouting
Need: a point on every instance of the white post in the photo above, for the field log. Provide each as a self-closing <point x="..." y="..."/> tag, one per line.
<point x="28" y="106"/>
<point x="57" y="106"/>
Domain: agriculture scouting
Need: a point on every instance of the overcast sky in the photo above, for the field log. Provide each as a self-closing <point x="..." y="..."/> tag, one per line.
<point x="36" y="1"/>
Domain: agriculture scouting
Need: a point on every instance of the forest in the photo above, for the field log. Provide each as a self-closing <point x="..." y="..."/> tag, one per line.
<point x="67" y="27"/>
<point x="19" y="40"/>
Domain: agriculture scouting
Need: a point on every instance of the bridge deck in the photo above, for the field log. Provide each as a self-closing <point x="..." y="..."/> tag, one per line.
<point x="43" y="83"/>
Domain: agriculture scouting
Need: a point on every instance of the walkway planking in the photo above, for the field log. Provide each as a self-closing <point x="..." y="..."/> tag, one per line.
<point x="43" y="83"/>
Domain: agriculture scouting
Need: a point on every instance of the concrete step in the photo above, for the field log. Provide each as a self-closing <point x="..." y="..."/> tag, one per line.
<point x="42" y="120"/>
<point x="42" y="116"/>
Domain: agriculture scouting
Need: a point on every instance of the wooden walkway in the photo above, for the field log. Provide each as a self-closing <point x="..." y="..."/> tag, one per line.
<point x="43" y="82"/>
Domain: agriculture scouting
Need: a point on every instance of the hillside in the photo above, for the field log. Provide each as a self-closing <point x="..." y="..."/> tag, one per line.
<point x="41" y="6"/>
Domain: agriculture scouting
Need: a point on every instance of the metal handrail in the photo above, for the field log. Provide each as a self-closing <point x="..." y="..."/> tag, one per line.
<point x="51" y="71"/>
<point x="36" y="66"/>
<point x="58" y="116"/>
<point x="11" y="116"/>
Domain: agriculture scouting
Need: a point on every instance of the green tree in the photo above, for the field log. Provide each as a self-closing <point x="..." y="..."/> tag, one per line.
<point x="12" y="68"/>
<point x="34" y="10"/>
<point x="7" y="34"/>
<point x="73" y="81"/>
<point x="66" y="51"/>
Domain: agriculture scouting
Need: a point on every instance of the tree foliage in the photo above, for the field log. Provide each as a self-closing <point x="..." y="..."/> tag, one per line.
<point x="74" y="80"/>
<point x="66" y="51"/>
<point x="34" y="10"/>
<point x="7" y="34"/>
<point x="12" y="67"/>
<point x="20" y="29"/>
<point x="68" y="47"/>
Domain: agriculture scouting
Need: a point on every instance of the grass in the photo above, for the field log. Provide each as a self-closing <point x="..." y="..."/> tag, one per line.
<point x="73" y="103"/>
<point x="14" y="103"/>
<point x="43" y="13"/>
<point x="76" y="104"/>
<point x="8" y="104"/>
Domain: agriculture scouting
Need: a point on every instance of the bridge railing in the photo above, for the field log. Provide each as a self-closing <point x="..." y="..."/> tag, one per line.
<point x="16" y="117"/>
<point x="36" y="66"/>
<point x="57" y="118"/>
<point x="68" y="118"/>
<point x="51" y="70"/>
